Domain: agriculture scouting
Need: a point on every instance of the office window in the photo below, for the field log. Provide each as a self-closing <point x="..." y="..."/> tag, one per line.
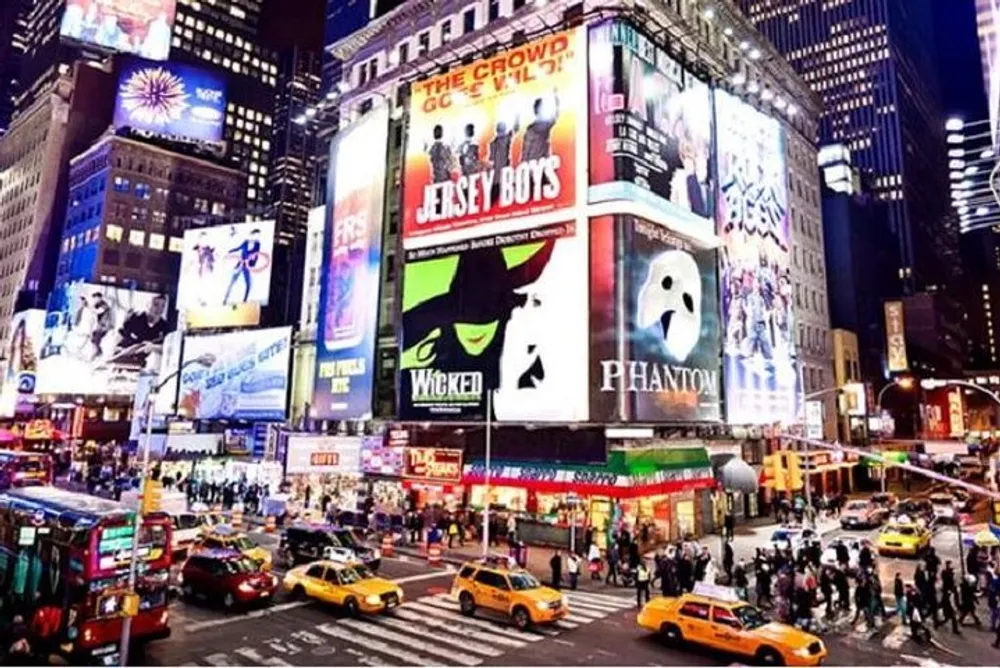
<point x="113" y="232"/>
<point x="446" y="31"/>
<point x="136" y="238"/>
<point x="156" y="241"/>
<point x="176" y="244"/>
<point x="423" y="43"/>
<point x="469" y="21"/>
<point x="404" y="53"/>
<point x="494" y="10"/>
<point x="121" y="184"/>
<point x="518" y="4"/>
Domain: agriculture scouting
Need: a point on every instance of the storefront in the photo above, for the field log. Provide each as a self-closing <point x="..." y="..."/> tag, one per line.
<point x="655" y="494"/>
<point x="831" y="472"/>
<point x="382" y="468"/>
<point x="317" y="467"/>
<point x="433" y="477"/>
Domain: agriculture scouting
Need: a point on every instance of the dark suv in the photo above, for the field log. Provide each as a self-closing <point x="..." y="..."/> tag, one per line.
<point x="312" y="542"/>
<point x="228" y="577"/>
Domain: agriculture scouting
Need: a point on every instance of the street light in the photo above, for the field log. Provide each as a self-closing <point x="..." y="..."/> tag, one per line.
<point x="206" y="360"/>
<point x="903" y="383"/>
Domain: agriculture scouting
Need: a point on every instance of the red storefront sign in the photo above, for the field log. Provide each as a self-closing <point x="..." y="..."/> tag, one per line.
<point x="433" y="465"/>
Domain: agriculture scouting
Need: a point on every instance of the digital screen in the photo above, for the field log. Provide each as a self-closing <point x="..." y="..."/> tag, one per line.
<point x="650" y="126"/>
<point x="20" y="373"/>
<point x="170" y="99"/>
<point x="99" y="337"/>
<point x="142" y="27"/>
<point x="495" y="139"/>
<point x="506" y="312"/>
<point x="352" y="256"/>
<point x="247" y="379"/>
<point x="226" y="266"/>
<point x="988" y="21"/>
<point x="759" y="358"/>
<point x="323" y="454"/>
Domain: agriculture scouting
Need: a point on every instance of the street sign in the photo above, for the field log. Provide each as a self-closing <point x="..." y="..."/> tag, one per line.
<point x="814" y="420"/>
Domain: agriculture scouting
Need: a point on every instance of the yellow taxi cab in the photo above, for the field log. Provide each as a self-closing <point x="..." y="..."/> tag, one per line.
<point x="903" y="537"/>
<point x="515" y="593"/>
<point x="717" y="618"/>
<point x="224" y="537"/>
<point x="350" y="586"/>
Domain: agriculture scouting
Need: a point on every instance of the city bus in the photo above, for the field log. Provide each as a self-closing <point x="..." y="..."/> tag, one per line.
<point x="64" y="563"/>
<point x="20" y="469"/>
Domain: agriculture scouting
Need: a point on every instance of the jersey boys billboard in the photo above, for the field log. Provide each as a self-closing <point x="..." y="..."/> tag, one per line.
<point x="761" y="374"/>
<point x="654" y="325"/>
<point x="352" y="255"/>
<point x="495" y="139"/>
<point x="506" y="311"/>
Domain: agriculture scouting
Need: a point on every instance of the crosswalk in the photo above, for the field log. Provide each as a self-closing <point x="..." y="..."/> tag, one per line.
<point x="430" y="630"/>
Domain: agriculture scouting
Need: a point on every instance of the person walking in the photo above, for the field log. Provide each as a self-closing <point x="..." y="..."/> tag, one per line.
<point x="612" y="557"/>
<point x="993" y="602"/>
<point x="555" y="563"/>
<point x="764" y="585"/>
<point x="594" y="561"/>
<point x="862" y="602"/>
<point x="642" y="578"/>
<point x="899" y="592"/>
<point x="967" y="600"/>
<point x="826" y="588"/>
<point x="728" y="559"/>
<point x="740" y="581"/>
<point x="573" y="568"/>
<point x="452" y="531"/>
<point x="948" y="612"/>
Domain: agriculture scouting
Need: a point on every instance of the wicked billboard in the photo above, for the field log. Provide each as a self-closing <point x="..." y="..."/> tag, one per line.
<point x="654" y="324"/>
<point x="507" y="313"/>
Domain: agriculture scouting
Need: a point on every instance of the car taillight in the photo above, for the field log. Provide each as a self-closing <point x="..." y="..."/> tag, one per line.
<point x="164" y="617"/>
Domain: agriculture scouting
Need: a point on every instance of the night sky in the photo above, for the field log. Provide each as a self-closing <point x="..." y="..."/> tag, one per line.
<point x="959" y="68"/>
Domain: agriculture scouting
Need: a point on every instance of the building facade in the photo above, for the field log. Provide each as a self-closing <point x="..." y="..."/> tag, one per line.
<point x="129" y="205"/>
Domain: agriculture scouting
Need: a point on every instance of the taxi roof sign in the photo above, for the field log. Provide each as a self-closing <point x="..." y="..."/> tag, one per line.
<point x="718" y="592"/>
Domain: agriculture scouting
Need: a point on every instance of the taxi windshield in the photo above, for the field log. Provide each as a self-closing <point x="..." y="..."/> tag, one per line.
<point x="363" y="572"/>
<point x="351" y="575"/>
<point x="241" y="565"/>
<point x="243" y="543"/>
<point x="902" y="530"/>
<point x="523" y="581"/>
<point x="750" y="617"/>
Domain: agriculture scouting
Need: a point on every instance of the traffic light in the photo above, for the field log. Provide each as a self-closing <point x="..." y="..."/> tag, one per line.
<point x="795" y="481"/>
<point x="152" y="497"/>
<point x="995" y="507"/>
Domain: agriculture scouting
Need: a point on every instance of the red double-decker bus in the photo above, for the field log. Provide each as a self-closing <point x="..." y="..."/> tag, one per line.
<point x="64" y="560"/>
<point x="21" y="469"/>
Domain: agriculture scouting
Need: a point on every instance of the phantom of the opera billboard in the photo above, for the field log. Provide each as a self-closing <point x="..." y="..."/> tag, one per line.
<point x="495" y="140"/>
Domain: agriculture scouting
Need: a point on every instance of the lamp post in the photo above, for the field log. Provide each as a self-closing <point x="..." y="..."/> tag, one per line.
<point x="810" y="518"/>
<point x="206" y="360"/>
<point x="903" y="383"/>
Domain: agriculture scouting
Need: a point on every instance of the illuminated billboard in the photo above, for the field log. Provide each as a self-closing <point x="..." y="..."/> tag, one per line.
<point x="987" y="22"/>
<point x="224" y="268"/>
<point x="170" y="99"/>
<point x="352" y="256"/>
<point x="655" y="334"/>
<point x="495" y="139"/>
<point x="650" y="126"/>
<point x="507" y="312"/>
<point x="248" y="379"/>
<point x="98" y="338"/>
<point x="20" y="374"/>
<point x="759" y="359"/>
<point x="142" y="27"/>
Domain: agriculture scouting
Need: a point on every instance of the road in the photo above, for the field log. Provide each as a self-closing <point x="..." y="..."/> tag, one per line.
<point x="428" y="630"/>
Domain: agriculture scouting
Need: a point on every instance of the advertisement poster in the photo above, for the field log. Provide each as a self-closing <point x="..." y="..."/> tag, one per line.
<point x="226" y="265"/>
<point x="170" y="99"/>
<point x="170" y="360"/>
<point x="142" y="27"/>
<point x="350" y="276"/>
<point x="987" y="24"/>
<point x="247" y="381"/>
<point x="98" y="337"/>
<point x="895" y="337"/>
<point x="433" y="465"/>
<point x="655" y="346"/>
<point x="20" y="373"/>
<point x="505" y="312"/>
<point x="143" y="388"/>
<point x="650" y="126"/>
<point x="761" y="376"/>
<point x="323" y="454"/>
<point x="495" y="139"/>
<point x="378" y="459"/>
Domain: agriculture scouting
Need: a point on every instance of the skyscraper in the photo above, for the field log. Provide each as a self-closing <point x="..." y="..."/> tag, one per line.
<point x="43" y="55"/>
<point x="10" y="59"/>
<point x="870" y="61"/>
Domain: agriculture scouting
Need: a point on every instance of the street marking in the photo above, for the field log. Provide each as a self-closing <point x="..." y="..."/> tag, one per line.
<point x="460" y="658"/>
<point x="375" y="645"/>
<point x="254" y="657"/>
<point x="495" y="636"/>
<point x="896" y="639"/>
<point x="255" y="614"/>
<point x="587" y="611"/>
<point x="219" y="659"/>
<point x="425" y="576"/>
<point x="569" y="626"/>
<point x="495" y="627"/>
<point x="461" y="643"/>
<point x="366" y="659"/>
<point x="603" y="599"/>
<point x="577" y="619"/>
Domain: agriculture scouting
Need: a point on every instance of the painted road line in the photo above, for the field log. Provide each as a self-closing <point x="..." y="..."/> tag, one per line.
<point x="255" y="658"/>
<point x="587" y="611"/>
<point x="366" y="659"/>
<point x="602" y="599"/>
<point x="371" y="644"/>
<point x="597" y="607"/>
<point x="494" y="627"/>
<point x="896" y="638"/>
<point x="254" y="614"/>
<point x="461" y="658"/>
<point x="577" y="619"/>
<point x="492" y="636"/>
<point x="428" y="631"/>
<point x="218" y="659"/>
<point x="563" y="624"/>
<point x="425" y="576"/>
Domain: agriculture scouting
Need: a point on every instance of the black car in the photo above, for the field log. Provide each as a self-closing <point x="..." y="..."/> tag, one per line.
<point x="302" y="543"/>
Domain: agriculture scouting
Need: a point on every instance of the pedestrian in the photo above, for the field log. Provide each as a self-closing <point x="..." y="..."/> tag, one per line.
<point x="826" y="588"/>
<point x="573" y="568"/>
<point x="932" y="562"/>
<point x="452" y="532"/>
<point x="948" y="612"/>
<point x="843" y="590"/>
<point x="740" y="581"/>
<point x="555" y="563"/>
<point x="899" y="592"/>
<point x="641" y="583"/>
<point x="862" y="602"/>
<point x="511" y="527"/>
<point x="948" y="578"/>
<point x="594" y="561"/>
<point x="843" y="556"/>
<point x="764" y="585"/>
<point x="727" y="559"/>
<point x="918" y="631"/>
<point x="993" y="601"/>
<point x="729" y="530"/>
<point x="866" y="560"/>
<point x="967" y="600"/>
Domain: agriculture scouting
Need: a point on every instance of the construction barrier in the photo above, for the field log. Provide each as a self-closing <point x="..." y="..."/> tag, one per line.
<point x="270" y="524"/>
<point x="434" y="554"/>
<point x="388" y="548"/>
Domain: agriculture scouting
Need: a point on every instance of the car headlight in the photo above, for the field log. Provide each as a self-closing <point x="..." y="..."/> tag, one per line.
<point x="245" y="587"/>
<point x="373" y="599"/>
<point x="542" y="605"/>
<point x="802" y="651"/>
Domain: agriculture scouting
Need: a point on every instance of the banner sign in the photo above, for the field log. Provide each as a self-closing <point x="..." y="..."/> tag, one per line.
<point x="433" y="465"/>
<point x="20" y="373"/>
<point x="895" y="337"/>
<point x="761" y="374"/>
<point x="475" y="473"/>
<point x="379" y="460"/>
<point x="655" y="335"/>
<point x="814" y="420"/>
<point x="509" y="312"/>
<point x="323" y="455"/>
<point x="129" y="26"/>
<point x="225" y="267"/>
<point x="248" y="379"/>
<point x="650" y="126"/>
<point x="350" y="277"/>
<point x="495" y="139"/>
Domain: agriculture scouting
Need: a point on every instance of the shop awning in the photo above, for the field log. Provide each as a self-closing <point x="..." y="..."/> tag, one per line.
<point x="628" y="474"/>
